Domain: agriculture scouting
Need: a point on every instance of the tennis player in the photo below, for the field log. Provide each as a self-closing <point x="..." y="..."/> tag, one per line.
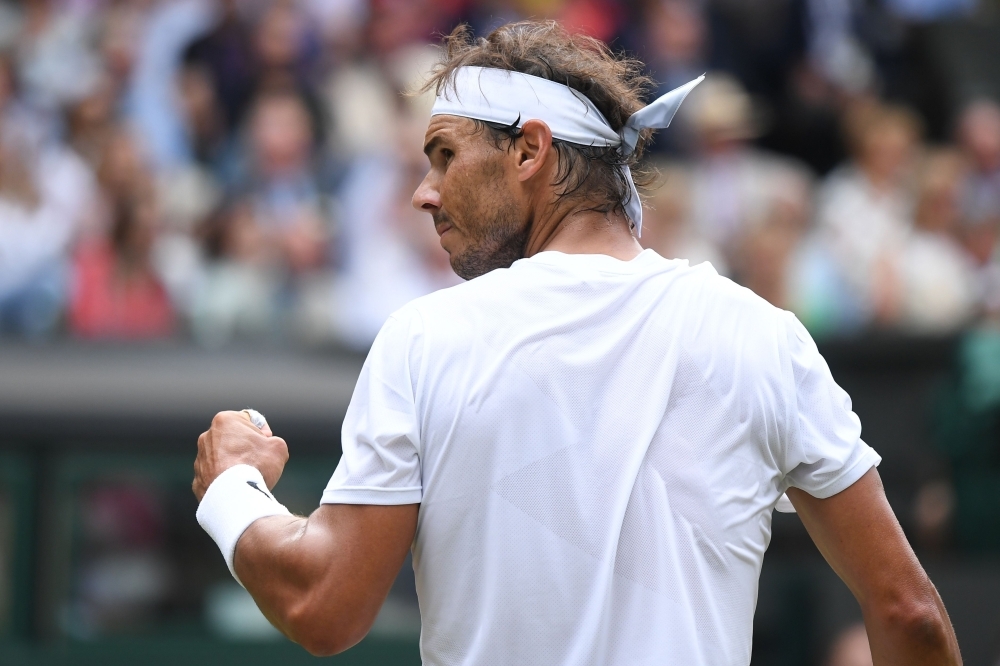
<point x="581" y="446"/>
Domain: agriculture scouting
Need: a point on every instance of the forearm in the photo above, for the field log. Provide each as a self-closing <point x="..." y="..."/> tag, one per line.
<point x="265" y="562"/>
<point x="918" y="634"/>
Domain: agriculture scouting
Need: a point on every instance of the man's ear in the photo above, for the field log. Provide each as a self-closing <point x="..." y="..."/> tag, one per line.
<point x="532" y="149"/>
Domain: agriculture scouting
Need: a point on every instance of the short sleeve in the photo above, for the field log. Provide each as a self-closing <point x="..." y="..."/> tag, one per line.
<point x="824" y="451"/>
<point x="381" y="435"/>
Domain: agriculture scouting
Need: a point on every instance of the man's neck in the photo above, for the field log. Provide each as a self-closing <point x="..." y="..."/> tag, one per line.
<point x="584" y="232"/>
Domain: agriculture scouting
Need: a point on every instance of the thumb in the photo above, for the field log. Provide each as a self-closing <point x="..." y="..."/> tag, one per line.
<point x="258" y="420"/>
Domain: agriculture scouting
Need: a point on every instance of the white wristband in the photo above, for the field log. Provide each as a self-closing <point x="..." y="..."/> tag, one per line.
<point x="236" y="499"/>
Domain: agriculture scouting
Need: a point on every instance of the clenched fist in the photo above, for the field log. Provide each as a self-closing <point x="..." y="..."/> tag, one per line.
<point x="234" y="440"/>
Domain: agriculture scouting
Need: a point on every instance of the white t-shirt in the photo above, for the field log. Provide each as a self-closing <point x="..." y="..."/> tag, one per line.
<point x="596" y="447"/>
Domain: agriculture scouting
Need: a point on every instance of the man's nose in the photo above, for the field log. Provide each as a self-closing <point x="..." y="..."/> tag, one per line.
<point x="427" y="198"/>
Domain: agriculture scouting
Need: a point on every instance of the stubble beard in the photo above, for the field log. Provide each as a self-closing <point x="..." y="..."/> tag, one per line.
<point x="503" y="241"/>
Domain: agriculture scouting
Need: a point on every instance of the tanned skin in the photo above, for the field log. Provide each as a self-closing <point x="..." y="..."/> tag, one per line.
<point x="322" y="579"/>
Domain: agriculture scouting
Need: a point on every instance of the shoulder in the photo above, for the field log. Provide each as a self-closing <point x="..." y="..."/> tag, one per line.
<point x="453" y="301"/>
<point x="708" y="291"/>
<point x="443" y="314"/>
<point x="725" y="325"/>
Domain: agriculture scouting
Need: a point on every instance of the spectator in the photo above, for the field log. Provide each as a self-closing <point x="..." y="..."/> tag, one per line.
<point x="32" y="239"/>
<point x="150" y="48"/>
<point x="733" y="184"/>
<point x="204" y="118"/>
<point x="43" y="188"/>
<point x="676" y="37"/>
<point x="120" y="168"/>
<point x="286" y="47"/>
<point x="395" y="24"/>
<point x="116" y="294"/>
<point x="90" y="121"/>
<point x="55" y="56"/>
<point x="284" y="183"/>
<point x="243" y="57"/>
<point x="667" y="226"/>
<point x="979" y="137"/>
<point x="835" y="52"/>
<point x="119" y="31"/>
<point x="13" y="110"/>
<point x="864" y="210"/>
<point x="362" y="100"/>
<point x="277" y="236"/>
<point x="238" y="293"/>
<point x="768" y="246"/>
<point x="937" y="276"/>
<point x="226" y="56"/>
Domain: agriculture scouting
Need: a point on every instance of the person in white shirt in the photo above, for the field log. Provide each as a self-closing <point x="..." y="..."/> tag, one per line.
<point x="583" y="444"/>
<point x="864" y="211"/>
<point x="938" y="276"/>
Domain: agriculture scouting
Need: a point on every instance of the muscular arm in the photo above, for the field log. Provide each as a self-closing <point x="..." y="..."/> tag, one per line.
<point x="322" y="580"/>
<point x="859" y="536"/>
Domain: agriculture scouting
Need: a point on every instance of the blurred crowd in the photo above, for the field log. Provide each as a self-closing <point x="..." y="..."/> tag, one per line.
<point x="229" y="169"/>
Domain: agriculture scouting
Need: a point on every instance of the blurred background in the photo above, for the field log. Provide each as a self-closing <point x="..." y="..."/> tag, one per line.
<point x="205" y="205"/>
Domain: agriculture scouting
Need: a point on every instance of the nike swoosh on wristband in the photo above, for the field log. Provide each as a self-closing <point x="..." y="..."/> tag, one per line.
<point x="253" y="484"/>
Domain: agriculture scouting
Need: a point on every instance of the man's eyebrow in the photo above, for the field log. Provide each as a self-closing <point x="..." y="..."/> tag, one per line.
<point x="429" y="148"/>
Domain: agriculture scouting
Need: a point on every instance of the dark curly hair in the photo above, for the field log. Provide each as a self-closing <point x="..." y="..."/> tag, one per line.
<point x="613" y="82"/>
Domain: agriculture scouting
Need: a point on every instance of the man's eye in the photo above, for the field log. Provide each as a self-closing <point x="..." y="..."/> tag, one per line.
<point x="447" y="154"/>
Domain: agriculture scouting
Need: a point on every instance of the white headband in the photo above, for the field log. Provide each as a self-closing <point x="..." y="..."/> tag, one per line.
<point x="509" y="98"/>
